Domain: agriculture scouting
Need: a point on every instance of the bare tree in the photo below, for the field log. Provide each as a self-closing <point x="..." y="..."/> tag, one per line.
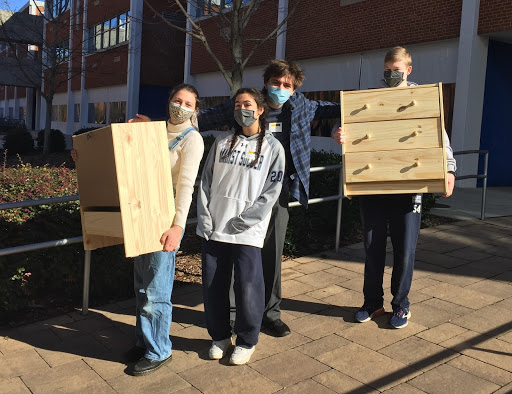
<point x="57" y="59"/>
<point x="232" y="18"/>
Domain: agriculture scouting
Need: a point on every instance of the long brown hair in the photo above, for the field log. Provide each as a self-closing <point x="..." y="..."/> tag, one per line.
<point x="259" y="98"/>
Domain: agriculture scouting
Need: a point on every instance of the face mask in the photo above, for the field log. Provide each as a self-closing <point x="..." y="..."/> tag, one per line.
<point x="179" y="114"/>
<point x="244" y="117"/>
<point x="277" y="95"/>
<point x="393" y="78"/>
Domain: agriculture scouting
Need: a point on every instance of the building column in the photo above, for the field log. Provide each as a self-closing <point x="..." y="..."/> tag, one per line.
<point x="187" y="78"/>
<point x="134" y="55"/>
<point x="71" y="100"/>
<point x="469" y="91"/>
<point x="37" y="114"/>
<point x="282" y="13"/>
<point x="6" y="104"/>
<point x="16" y="105"/>
<point x="29" y="109"/>
<point x="84" y="104"/>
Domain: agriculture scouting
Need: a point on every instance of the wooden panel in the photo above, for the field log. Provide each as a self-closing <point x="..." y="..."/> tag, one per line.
<point x="391" y="104"/>
<point x="92" y="242"/>
<point x="372" y="188"/>
<point x="95" y="167"/>
<point x="144" y="183"/>
<point x="103" y="223"/>
<point x="398" y="165"/>
<point x="392" y="135"/>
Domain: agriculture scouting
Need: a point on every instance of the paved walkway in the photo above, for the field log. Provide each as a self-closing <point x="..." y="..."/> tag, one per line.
<point x="459" y="339"/>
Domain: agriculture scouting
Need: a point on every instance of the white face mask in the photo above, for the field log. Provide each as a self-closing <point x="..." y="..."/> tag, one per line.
<point x="179" y="114"/>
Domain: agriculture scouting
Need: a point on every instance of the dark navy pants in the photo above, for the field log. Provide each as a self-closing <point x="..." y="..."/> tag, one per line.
<point x="402" y="213"/>
<point x="218" y="261"/>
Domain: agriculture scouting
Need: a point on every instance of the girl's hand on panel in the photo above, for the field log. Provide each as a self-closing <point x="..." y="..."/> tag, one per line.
<point x="171" y="238"/>
<point x="140" y="118"/>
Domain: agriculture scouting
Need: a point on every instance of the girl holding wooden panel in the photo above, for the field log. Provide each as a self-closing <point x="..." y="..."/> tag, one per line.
<point x="154" y="272"/>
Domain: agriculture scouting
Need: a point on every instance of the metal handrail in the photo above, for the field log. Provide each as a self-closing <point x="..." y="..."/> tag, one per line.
<point x="87" y="258"/>
<point x="477" y="176"/>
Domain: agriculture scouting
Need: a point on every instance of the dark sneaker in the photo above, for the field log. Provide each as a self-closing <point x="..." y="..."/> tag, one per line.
<point x="367" y="312"/>
<point x="134" y="354"/>
<point x="277" y="328"/>
<point x="399" y="318"/>
<point x="145" y="366"/>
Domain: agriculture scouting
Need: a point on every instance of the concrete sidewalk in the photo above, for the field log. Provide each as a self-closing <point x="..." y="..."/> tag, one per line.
<point x="459" y="339"/>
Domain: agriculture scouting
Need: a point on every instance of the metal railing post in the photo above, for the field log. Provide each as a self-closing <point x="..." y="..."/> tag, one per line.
<point x="87" y="277"/>
<point x="338" y="216"/>
<point x="484" y="186"/>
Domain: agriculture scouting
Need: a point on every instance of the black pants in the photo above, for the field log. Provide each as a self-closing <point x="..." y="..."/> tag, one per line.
<point x="218" y="261"/>
<point x="402" y="213"/>
<point x="272" y="254"/>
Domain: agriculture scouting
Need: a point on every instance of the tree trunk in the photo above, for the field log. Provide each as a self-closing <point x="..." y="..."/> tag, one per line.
<point x="47" y="128"/>
<point x="236" y="78"/>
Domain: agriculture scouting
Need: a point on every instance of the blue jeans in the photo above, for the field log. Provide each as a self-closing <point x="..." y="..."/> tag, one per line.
<point x="402" y="213"/>
<point x="153" y="281"/>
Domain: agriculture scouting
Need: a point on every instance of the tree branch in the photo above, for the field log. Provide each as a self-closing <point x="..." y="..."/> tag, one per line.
<point x="272" y="34"/>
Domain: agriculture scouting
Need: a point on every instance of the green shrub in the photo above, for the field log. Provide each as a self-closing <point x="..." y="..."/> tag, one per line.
<point x="18" y="142"/>
<point x="57" y="140"/>
<point x="51" y="276"/>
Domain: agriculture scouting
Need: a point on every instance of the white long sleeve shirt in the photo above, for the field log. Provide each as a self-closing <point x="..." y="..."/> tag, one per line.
<point x="185" y="160"/>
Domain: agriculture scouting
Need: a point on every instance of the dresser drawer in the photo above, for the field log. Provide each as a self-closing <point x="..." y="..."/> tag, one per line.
<point x="390" y="104"/>
<point x="392" y="135"/>
<point x="396" y="165"/>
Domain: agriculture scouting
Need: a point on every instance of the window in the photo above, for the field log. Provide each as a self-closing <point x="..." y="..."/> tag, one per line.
<point x="1" y="112"/>
<point x="58" y="6"/>
<point x="212" y="7"/>
<point x="97" y="113"/>
<point x="118" y="112"/>
<point x="21" y="114"/>
<point x="63" y="113"/>
<point x="109" y="33"/>
<point x="76" y="113"/>
<point x="60" y="113"/>
<point x="62" y="52"/>
<point x="55" y="113"/>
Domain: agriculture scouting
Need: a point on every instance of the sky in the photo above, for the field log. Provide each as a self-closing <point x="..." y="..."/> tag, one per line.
<point x="12" y="5"/>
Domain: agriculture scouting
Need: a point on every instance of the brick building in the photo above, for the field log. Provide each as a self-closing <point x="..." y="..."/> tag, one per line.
<point x="116" y="58"/>
<point x="340" y="45"/>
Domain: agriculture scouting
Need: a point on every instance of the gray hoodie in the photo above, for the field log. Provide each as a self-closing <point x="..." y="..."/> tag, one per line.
<point x="235" y="199"/>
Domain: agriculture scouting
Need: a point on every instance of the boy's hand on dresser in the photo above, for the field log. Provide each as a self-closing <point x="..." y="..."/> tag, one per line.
<point x="340" y="136"/>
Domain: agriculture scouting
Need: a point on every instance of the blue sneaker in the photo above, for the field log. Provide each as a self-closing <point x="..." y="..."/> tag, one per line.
<point x="367" y="312"/>
<point x="399" y="318"/>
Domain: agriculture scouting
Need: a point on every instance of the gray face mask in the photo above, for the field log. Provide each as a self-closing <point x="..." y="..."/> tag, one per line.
<point x="244" y="117"/>
<point x="393" y="78"/>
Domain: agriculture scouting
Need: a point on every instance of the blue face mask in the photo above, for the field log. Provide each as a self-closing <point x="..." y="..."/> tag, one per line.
<point x="277" y="95"/>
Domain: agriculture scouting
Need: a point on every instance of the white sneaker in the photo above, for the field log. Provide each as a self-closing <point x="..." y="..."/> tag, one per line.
<point x="241" y="355"/>
<point x="218" y="349"/>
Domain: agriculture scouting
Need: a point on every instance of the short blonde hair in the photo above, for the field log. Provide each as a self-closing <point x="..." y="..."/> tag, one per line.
<point x="398" y="54"/>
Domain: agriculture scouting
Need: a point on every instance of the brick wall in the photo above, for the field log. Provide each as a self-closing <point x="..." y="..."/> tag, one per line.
<point x="99" y="11"/>
<point x="495" y="16"/>
<point x="262" y="23"/>
<point x="325" y="28"/>
<point x="107" y="68"/>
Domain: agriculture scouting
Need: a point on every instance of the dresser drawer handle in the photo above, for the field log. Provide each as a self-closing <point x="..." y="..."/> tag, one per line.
<point x="404" y="107"/>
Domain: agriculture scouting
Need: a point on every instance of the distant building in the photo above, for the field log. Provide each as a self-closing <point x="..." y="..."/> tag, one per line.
<point x="340" y="45"/>
<point x="121" y="61"/>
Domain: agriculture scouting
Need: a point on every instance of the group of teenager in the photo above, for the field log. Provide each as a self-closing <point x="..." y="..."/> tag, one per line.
<point x="242" y="209"/>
